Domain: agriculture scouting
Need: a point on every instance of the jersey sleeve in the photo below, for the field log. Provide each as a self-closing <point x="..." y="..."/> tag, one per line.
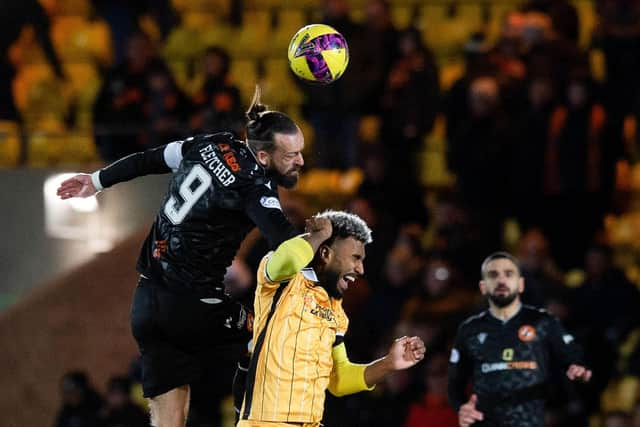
<point x="265" y="284"/>
<point x="564" y="349"/>
<point x="262" y="205"/>
<point x="460" y="369"/>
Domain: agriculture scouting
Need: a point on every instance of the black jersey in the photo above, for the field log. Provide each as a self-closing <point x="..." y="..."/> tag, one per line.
<point x="509" y="364"/>
<point x="217" y="194"/>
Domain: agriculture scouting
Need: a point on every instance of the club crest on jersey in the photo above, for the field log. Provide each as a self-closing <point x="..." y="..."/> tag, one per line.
<point x="270" y="202"/>
<point x="527" y="333"/>
<point x="482" y="336"/>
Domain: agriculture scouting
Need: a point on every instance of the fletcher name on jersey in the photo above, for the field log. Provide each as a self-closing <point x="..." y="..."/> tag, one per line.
<point x="217" y="194"/>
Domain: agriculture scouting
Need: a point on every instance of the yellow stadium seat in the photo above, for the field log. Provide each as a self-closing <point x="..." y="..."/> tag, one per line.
<point x="587" y="18"/>
<point x="244" y="75"/>
<point x="446" y="27"/>
<point x="45" y="143"/>
<point x="218" y="34"/>
<point x="9" y="144"/>
<point x="401" y="16"/>
<point x="73" y="7"/>
<point x="183" y="43"/>
<point x="278" y="86"/>
<point x="252" y="39"/>
<point x="78" y="40"/>
<point x="289" y="21"/>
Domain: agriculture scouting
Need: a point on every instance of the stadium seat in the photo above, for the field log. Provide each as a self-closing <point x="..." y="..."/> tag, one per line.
<point x="402" y="16"/>
<point x="251" y="39"/>
<point x="446" y="27"/>
<point x="9" y="144"/>
<point x="278" y="85"/>
<point x="289" y="21"/>
<point x="244" y="75"/>
<point x="78" y="40"/>
<point x="587" y="18"/>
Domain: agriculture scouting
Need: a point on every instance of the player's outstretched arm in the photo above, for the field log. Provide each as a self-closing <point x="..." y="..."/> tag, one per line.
<point x="404" y="353"/>
<point x="153" y="161"/>
<point x="80" y="185"/>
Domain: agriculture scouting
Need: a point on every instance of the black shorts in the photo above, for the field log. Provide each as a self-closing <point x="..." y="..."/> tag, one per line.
<point x="183" y="340"/>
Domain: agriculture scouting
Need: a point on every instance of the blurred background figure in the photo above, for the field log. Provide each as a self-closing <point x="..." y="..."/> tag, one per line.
<point x="118" y="409"/>
<point x="80" y="402"/>
<point x="217" y="102"/>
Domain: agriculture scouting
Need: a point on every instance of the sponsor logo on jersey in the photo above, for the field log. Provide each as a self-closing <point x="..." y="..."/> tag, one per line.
<point x="323" y="312"/>
<point x="231" y="161"/>
<point x="507" y="354"/>
<point x="455" y="356"/>
<point x="507" y="366"/>
<point x="160" y="248"/>
<point x="216" y="166"/>
<point x="270" y="202"/>
<point x="482" y="336"/>
<point x="527" y="333"/>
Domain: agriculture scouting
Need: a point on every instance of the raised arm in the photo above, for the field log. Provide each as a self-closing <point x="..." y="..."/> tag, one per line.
<point x="153" y="161"/>
<point x="293" y="254"/>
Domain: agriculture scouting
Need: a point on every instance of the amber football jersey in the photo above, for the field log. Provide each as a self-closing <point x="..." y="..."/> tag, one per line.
<point x="296" y="324"/>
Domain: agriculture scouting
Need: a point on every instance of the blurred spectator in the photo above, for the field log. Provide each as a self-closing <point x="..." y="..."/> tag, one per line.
<point x="564" y="16"/>
<point x="410" y="102"/>
<point x="379" y="52"/>
<point x="479" y="155"/>
<point x="14" y="17"/>
<point x="402" y="269"/>
<point x="166" y="108"/>
<point x="542" y="279"/>
<point x="385" y="231"/>
<point x="433" y="410"/>
<point x="635" y="415"/>
<point x="573" y="184"/>
<point x="334" y="110"/>
<point x="617" y="34"/>
<point x="528" y="155"/>
<point x="606" y="291"/>
<point x="119" y="410"/>
<point x="124" y="17"/>
<point x="121" y="110"/>
<point x="217" y="102"/>
<point x="616" y="419"/>
<point x="441" y="303"/>
<point x="80" y="402"/>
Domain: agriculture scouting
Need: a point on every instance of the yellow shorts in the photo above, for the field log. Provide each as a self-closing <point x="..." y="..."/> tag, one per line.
<point x="250" y="423"/>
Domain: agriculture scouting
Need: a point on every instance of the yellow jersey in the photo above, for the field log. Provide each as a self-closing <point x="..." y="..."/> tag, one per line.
<point x="295" y="327"/>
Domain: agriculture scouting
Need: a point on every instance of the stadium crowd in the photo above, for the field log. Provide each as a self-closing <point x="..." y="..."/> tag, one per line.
<point x="534" y="134"/>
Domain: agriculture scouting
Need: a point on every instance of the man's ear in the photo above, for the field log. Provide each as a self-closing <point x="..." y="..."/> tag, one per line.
<point x="483" y="287"/>
<point x="263" y="157"/>
<point x="325" y="253"/>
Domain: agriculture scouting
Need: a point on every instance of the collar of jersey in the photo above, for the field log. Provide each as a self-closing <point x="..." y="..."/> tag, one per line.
<point x="309" y="274"/>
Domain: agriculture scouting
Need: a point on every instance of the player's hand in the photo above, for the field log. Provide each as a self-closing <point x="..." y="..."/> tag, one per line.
<point x="319" y="227"/>
<point x="578" y="372"/>
<point x="77" y="186"/>
<point x="468" y="414"/>
<point x="406" y="352"/>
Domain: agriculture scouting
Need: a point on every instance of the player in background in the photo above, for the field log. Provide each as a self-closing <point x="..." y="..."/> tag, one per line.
<point x="190" y="334"/>
<point x="507" y="351"/>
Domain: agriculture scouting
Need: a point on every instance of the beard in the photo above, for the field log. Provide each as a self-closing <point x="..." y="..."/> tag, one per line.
<point x="284" y="181"/>
<point x="329" y="281"/>
<point x="502" y="301"/>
